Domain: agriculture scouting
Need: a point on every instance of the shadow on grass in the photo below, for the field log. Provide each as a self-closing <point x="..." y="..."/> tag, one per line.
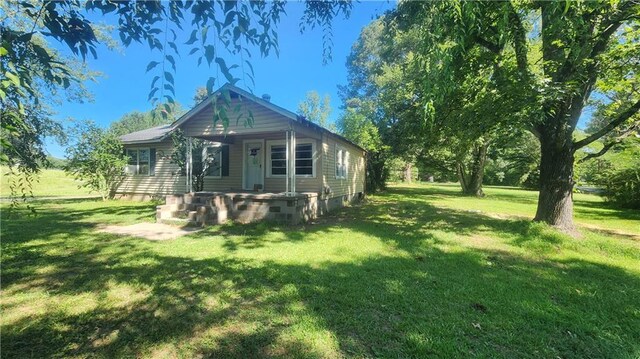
<point x="597" y="210"/>
<point x="420" y="301"/>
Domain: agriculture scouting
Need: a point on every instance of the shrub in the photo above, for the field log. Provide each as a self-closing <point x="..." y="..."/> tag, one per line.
<point x="622" y="188"/>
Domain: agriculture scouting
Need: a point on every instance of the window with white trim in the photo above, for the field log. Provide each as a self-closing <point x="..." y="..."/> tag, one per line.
<point x="139" y="162"/>
<point x="304" y="159"/>
<point x="277" y="161"/>
<point x="342" y="159"/>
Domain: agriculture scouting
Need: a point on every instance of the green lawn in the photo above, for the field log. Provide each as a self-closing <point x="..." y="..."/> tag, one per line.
<point x="416" y="272"/>
<point x="49" y="183"/>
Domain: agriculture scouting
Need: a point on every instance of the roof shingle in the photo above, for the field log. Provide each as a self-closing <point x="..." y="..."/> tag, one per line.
<point x="149" y="135"/>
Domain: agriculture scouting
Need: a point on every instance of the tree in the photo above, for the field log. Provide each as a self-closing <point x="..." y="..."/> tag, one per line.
<point x="355" y="125"/>
<point x="386" y="69"/>
<point x="200" y="95"/>
<point x="559" y="60"/>
<point x="231" y="27"/>
<point x="365" y="118"/>
<point x="96" y="159"/>
<point x="514" y="160"/>
<point x="204" y="161"/>
<point x="314" y="109"/>
<point x="33" y="79"/>
<point x="136" y="121"/>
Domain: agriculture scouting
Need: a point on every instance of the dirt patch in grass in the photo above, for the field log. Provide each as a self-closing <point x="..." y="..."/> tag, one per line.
<point x="151" y="231"/>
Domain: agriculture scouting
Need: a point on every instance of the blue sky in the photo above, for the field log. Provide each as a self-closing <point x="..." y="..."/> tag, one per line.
<point x="287" y="78"/>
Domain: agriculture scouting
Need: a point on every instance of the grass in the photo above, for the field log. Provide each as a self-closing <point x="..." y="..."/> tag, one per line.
<point x="49" y="183"/>
<point x="419" y="271"/>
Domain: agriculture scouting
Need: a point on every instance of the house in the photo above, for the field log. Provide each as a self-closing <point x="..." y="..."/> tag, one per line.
<point x="280" y="166"/>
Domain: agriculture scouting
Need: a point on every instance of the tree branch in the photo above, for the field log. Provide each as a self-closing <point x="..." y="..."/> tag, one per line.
<point x="604" y="150"/>
<point x="493" y="47"/>
<point x="623" y="116"/>
<point x="519" y="41"/>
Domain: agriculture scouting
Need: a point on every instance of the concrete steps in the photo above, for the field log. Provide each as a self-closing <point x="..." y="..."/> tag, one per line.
<point x="194" y="209"/>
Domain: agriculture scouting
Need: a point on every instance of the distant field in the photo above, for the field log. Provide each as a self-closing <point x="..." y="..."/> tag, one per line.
<point x="50" y="183"/>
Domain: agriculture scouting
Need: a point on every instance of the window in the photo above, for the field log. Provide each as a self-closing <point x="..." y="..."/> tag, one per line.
<point x="304" y="159"/>
<point x="132" y="165"/>
<point x="342" y="162"/>
<point x="213" y="157"/>
<point x="207" y="161"/>
<point x="141" y="161"/>
<point x="278" y="159"/>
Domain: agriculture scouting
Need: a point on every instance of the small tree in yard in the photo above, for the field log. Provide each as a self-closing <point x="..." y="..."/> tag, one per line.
<point x="97" y="159"/>
<point x="203" y="159"/>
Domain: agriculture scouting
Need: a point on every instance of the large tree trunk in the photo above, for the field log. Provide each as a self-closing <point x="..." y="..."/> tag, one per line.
<point x="471" y="183"/>
<point x="474" y="184"/>
<point x="407" y="172"/>
<point x="462" y="176"/>
<point x="555" y="202"/>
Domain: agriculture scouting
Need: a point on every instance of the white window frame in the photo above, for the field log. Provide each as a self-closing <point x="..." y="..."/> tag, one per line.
<point x="298" y="142"/>
<point x="341" y="159"/>
<point x="204" y="153"/>
<point x="137" y="173"/>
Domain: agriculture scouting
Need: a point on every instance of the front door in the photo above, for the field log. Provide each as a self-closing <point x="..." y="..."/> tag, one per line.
<point x="253" y="175"/>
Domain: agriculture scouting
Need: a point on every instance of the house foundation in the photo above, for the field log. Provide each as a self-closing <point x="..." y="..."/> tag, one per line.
<point x="206" y="208"/>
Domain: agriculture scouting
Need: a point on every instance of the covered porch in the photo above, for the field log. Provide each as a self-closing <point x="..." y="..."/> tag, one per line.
<point x="278" y="163"/>
<point x="264" y="176"/>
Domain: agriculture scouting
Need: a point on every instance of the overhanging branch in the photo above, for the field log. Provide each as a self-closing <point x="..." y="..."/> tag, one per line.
<point x="493" y="47"/>
<point x="623" y="116"/>
<point x="604" y="150"/>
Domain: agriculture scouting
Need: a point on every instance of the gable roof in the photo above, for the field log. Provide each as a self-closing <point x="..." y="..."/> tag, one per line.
<point x="152" y="134"/>
<point x="161" y="132"/>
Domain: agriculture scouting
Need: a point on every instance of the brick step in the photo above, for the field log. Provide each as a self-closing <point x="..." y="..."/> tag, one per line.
<point x="200" y="208"/>
<point x="173" y="207"/>
<point x="179" y="222"/>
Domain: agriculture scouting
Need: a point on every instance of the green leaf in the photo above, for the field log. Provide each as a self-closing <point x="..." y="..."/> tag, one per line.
<point x="209" y="53"/>
<point x="204" y="32"/>
<point x="155" y="79"/>
<point x="210" y="84"/>
<point x="229" y="5"/>
<point x="226" y="70"/>
<point x="192" y="38"/>
<point x="172" y="61"/>
<point x="151" y="65"/>
<point x="229" y="19"/>
<point x="168" y="76"/>
<point x="13" y="77"/>
<point x="173" y="46"/>
<point x="152" y="93"/>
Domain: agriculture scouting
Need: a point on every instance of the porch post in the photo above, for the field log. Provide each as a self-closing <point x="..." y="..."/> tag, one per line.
<point x="189" y="164"/>
<point x="293" y="162"/>
<point x="286" y="159"/>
